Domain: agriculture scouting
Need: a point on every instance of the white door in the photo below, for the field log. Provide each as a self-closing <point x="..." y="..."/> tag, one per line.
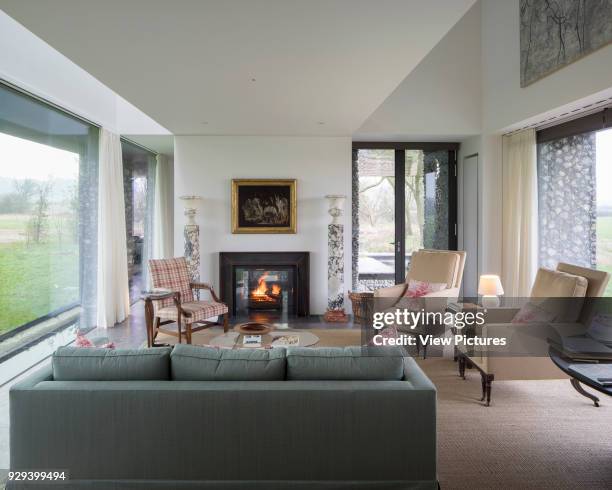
<point x="470" y="226"/>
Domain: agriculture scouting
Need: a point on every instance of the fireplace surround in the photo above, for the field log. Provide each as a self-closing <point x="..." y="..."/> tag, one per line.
<point x="265" y="281"/>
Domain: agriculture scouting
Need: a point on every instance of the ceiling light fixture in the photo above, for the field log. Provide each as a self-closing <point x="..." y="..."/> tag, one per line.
<point x="321" y="123"/>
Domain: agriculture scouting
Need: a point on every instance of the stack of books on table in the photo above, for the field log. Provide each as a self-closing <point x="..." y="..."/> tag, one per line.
<point x="582" y="348"/>
<point x="600" y="374"/>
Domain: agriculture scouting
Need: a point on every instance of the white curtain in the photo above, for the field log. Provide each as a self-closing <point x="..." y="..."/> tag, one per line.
<point x="113" y="288"/>
<point x="520" y="213"/>
<point x="163" y="232"/>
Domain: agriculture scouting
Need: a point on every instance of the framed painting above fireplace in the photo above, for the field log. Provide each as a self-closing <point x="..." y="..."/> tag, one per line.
<point x="264" y="206"/>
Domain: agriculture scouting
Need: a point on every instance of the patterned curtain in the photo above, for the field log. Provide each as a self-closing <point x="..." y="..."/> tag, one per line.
<point x="567" y="201"/>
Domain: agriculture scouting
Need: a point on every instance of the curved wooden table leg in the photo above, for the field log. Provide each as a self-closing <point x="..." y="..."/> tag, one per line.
<point x="578" y="387"/>
<point x="462" y="366"/>
<point x="148" y="307"/>
<point x="488" y="381"/>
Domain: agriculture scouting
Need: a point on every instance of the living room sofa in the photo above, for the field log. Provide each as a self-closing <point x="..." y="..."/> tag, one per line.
<point x="199" y="417"/>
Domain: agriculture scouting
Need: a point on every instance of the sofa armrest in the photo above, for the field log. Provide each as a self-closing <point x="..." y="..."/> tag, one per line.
<point x="500" y="314"/>
<point x="445" y="293"/>
<point x="415" y="375"/>
<point x="43" y="374"/>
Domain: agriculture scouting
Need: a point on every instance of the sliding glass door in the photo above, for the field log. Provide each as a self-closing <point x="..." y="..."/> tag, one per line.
<point x="376" y="216"/>
<point x="404" y="199"/>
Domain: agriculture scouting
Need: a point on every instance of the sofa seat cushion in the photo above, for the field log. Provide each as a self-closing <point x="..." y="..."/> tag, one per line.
<point x="196" y="363"/>
<point x="345" y="363"/>
<point x="83" y="364"/>
<point x="199" y="310"/>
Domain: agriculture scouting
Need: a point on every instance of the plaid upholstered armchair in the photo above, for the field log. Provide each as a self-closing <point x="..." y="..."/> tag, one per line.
<point x="179" y="305"/>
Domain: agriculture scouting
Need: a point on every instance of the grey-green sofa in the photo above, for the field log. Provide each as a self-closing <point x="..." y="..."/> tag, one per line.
<point x="197" y="417"/>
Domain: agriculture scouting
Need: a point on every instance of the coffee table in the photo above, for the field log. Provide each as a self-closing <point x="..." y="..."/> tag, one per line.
<point x="234" y="339"/>
<point x="564" y="363"/>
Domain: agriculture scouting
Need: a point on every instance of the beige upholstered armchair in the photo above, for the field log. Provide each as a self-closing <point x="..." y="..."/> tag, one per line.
<point x="430" y="266"/>
<point x="440" y="268"/>
<point x="567" y="281"/>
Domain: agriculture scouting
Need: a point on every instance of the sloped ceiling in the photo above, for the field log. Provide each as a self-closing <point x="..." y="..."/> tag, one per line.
<point x="300" y="67"/>
<point x="441" y="98"/>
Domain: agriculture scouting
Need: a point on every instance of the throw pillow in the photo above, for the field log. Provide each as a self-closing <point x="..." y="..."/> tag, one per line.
<point x="418" y="289"/>
<point x="82" y="341"/>
<point x="532" y="313"/>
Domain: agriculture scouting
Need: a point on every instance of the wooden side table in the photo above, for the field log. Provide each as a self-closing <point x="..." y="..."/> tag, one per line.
<point x="458" y="308"/>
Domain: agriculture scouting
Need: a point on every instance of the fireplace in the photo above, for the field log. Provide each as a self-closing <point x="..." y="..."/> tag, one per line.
<point x="256" y="282"/>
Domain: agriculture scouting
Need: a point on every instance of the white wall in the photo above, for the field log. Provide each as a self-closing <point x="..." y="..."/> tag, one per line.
<point x="441" y="98"/>
<point x="504" y="101"/>
<point x="205" y="165"/>
<point x="505" y="105"/>
<point x="469" y="146"/>
<point x="31" y="64"/>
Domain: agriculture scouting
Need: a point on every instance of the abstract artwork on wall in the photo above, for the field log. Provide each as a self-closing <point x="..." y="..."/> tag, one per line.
<point x="555" y="33"/>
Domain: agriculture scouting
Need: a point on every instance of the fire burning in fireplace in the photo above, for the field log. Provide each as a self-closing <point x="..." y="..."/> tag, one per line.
<point x="265" y="295"/>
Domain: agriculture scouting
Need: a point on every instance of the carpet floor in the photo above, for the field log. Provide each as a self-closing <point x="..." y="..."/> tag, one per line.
<point x="535" y="434"/>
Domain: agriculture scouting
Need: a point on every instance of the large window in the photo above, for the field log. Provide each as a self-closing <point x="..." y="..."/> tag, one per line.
<point x="575" y="203"/>
<point x="48" y="169"/>
<point x="603" y="152"/>
<point x="403" y="200"/>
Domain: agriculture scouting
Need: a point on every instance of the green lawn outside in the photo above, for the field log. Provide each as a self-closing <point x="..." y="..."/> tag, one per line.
<point x="35" y="279"/>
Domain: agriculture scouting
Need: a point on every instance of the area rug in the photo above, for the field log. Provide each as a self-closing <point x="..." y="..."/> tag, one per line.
<point x="313" y="337"/>
<point x="535" y="434"/>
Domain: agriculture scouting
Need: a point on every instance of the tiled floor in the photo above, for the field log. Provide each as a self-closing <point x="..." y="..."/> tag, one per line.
<point x="130" y="334"/>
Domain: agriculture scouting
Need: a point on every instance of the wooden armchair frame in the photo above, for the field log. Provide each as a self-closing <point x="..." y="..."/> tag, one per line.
<point x="154" y="322"/>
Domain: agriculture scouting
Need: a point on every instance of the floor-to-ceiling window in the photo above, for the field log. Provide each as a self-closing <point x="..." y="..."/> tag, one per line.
<point x="574" y="198"/>
<point x="603" y="154"/>
<point x="48" y="191"/>
<point x="404" y="199"/>
<point x="138" y="185"/>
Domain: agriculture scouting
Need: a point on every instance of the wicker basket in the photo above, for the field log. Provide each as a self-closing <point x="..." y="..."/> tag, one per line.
<point x="362" y="304"/>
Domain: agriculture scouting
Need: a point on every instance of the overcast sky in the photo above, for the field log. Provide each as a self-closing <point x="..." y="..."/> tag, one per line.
<point x="24" y="159"/>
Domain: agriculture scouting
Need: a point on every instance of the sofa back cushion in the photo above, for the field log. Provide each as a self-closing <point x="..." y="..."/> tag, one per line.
<point x="345" y="363"/>
<point x="194" y="363"/>
<point x="81" y="364"/>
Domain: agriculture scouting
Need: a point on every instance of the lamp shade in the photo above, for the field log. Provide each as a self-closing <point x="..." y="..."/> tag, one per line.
<point x="490" y="285"/>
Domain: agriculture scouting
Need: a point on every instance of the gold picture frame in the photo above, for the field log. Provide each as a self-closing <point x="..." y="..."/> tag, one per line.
<point x="264" y="206"/>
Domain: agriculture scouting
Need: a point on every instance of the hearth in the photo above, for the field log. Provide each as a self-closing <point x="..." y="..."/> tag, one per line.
<point x="276" y="282"/>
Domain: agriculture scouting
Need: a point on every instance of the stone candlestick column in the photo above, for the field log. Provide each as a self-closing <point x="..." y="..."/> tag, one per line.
<point x="191" y="234"/>
<point x="335" y="261"/>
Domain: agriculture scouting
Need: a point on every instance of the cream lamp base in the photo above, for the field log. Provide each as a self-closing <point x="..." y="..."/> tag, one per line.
<point x="489" y="301"/>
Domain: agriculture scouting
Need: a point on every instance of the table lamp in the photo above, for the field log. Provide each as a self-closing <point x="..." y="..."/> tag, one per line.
<point x="490" y="289"/>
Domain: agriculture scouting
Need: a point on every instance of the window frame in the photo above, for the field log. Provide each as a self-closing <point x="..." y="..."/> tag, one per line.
<point x="400" y="149"/>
